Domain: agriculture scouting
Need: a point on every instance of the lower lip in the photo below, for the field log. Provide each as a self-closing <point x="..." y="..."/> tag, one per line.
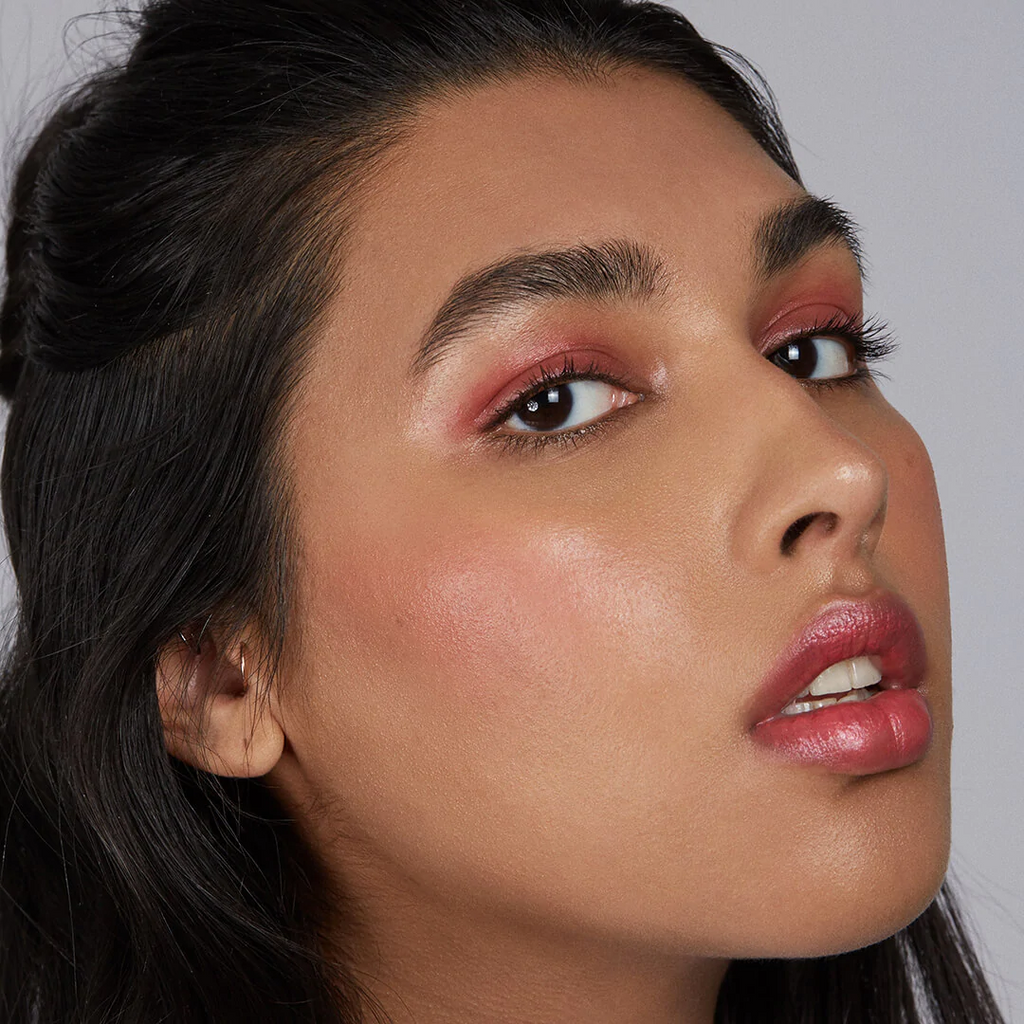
<point x="891" y="730"/>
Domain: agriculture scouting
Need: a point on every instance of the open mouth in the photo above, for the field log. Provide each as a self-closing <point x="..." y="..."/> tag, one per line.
<point x="868" y="653"/>
<point x="846" y="682"/>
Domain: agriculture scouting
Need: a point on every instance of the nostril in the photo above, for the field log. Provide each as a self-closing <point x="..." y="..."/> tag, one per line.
<point x="793" y="532"/>
<point x="799" y="526"/>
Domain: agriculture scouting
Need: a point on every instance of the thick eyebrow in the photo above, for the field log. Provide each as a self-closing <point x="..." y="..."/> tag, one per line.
<point x="620" y="269"/>
<point x="785" y="235"/>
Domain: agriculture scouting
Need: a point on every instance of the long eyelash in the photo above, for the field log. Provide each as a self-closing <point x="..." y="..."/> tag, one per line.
<point x="540" y="380"/>
<point x="544" y="378"/>
<point x="872" y="341"/>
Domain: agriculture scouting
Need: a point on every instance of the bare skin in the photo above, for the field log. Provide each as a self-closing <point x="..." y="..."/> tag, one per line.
<point x="511" y="716"/>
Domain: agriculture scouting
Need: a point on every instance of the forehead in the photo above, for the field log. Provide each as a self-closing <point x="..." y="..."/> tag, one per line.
<point x="539" y="162"/>
<point x="543" y="158"/>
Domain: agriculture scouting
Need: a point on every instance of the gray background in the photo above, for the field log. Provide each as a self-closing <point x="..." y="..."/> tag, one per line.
<point x="910" y="114"/>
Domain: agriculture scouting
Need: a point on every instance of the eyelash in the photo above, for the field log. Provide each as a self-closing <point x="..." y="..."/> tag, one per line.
<point x="871" y="341"/>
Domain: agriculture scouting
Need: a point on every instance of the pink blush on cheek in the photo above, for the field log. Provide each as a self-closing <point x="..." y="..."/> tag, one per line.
<point x="501" y="620"/>
<point x="431" y="618"/>
<point x="491" y="622"/>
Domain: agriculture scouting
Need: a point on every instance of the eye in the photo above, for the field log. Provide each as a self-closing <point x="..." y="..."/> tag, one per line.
<point x="817" y="357"/>
<point x="567" y="405"/>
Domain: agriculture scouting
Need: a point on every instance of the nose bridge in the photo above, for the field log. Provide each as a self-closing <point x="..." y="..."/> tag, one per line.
<point x="815" y="490"/>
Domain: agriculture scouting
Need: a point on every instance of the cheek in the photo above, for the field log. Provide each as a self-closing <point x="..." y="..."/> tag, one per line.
<point x="500" y="701"/>
<point x="911" y="556"/>
<point x="914" y="503"/>
<point x="912" y="550"/>
<point x="554" y="655"/>
<point x="469" y="617"/>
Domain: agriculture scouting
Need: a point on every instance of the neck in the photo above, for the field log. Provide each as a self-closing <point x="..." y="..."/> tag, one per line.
<point x="432" y="965"/>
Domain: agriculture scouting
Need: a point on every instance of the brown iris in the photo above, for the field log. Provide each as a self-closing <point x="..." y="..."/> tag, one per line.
<point x="547" y="409"/>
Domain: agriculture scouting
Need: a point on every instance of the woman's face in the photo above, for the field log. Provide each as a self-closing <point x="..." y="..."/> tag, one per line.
<point x="520" y="684"/>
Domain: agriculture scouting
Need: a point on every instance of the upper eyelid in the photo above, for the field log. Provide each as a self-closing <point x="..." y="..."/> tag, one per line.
<point x="853" y="332"/>
<point x="839" y="323"/>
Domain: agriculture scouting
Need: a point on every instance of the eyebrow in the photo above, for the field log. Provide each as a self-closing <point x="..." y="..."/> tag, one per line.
<point x="787" y="234"/>
<point x="619" y="270"/>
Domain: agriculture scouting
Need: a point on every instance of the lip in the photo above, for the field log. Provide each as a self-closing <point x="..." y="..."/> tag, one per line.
<point x="891" y="730"/>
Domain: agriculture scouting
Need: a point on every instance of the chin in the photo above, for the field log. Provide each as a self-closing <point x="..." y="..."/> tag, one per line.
<point x="847" y="882"/>
<point x="859" y="908"/>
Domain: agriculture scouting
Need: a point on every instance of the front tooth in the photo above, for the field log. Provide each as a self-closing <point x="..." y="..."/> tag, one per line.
<point x="852" y="674"/>
<point x="809" y="705"/>
<point x="836" y="678"/>
<point x="865" y="672"/>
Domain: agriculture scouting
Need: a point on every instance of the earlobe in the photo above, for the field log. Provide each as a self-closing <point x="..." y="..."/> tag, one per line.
<point x="217" y="713"/>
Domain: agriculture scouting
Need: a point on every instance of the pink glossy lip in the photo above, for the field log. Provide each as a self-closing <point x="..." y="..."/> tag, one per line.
<point x="891" y="730"/>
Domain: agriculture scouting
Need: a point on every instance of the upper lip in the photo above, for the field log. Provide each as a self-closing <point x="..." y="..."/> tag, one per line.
<point x="843" y="628"/>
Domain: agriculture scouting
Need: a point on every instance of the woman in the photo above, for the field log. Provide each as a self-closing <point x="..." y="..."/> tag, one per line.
<point x="466" y="570"/>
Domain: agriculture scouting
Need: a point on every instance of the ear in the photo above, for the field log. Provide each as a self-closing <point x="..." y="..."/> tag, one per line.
<point x="215" y="713"/>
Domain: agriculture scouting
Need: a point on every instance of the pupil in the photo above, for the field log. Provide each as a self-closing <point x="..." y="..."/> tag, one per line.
<point x="547" y="410"/>
<point x="798" y="359"/>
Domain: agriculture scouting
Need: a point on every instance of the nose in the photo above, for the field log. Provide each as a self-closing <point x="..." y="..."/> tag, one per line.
<point x="816" y="493"/>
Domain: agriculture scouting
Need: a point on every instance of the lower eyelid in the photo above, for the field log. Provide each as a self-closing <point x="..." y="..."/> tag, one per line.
<point x="538" y="442"/>
<point x="525" y="442"/>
